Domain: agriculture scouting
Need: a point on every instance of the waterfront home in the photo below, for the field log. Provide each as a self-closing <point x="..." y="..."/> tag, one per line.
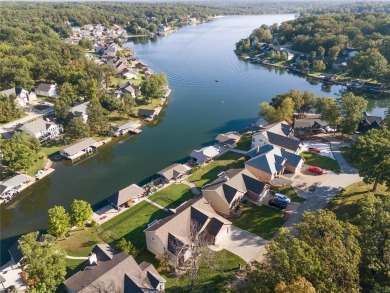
<point x="173" y="172"/>
<point x="10" y="186"/>
<point x="80" y="111"/>
<point x="225" y="193"/>
<point x="306" y="127"/>
<point x="84" y="146"/>
<point x="278" y="134"/>
<point x="126" y="196"/>
<point x="195" y="218"/>
<point x="46" y="90"/>
<point x="129" y="73"/>
<point x="22" y="96"/>
<point x="204" y="155"/>
<point x="369" y="122"/>
<point x="163" y="28"/>
<point x="125" y="128"/>
<point x="147" y="113"/>
<point x="229" y="139"/>
<point x="126" y="88"/>
<point x="341" y="64"/>
<point x="111" y="50"/>
<point x="42" y="129"/>
<point x="109" y="270"/>
<point x="269" y="162"/>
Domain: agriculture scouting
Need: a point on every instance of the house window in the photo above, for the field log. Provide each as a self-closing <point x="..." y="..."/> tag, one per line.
<point x="227" y="230"/>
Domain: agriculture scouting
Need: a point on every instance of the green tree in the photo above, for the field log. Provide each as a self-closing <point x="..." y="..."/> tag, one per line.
<point x="110" y="103"/>
<point x="67" y="93"/>
<point x="76" y="128"/>
<point x="97" y="117"/>
<point x="372" y="155"/>
<point x="386" y="119"/>
<point x="128" y="104"/>
<point x="127" y="247"/>
<point x="86" y="43"/>
<point x="61" y="109"/>
<point x="153" y="87"/>
<point x="108" y="72"/>
<point x="321" y="51"/>
<point x="373" y="221"/>
<point x="319" y="65"/>
<point x="58" y="221"/>
<point x="8" y="109"/>
<point x="333" y="53"/>
<point x="351" y="110"/>
<point x="20" y="152"/>
<point x="43" y="265"/>
<point x="80" y="213"/>
<point x="369" y="64"/>
<point x="329" y="111"/>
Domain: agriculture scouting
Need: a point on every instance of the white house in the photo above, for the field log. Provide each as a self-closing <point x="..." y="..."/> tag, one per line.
<point x="22" y="96"/>
<point x="46" y="90"/>
<point x="204" y="155"/>
<point x="78" y="149"/>
<point x="80" y="111"/>
<point x="42" y="129"/>
<point x="10" y="186"/>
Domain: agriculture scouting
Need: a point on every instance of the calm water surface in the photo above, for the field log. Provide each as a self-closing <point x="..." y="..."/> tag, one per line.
<point x="199" y="108"/>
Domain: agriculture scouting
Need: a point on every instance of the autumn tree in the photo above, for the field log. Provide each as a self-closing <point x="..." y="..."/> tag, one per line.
<point x="298" y="285"/>
<point x="272" y="114"/>
<point x="372" y="156"/>
<point x="43" y="264"/>
<point x="319" y="65"/>
<point x="163" y="263"/>
<point x="351" y="111"/>
<point x="80" y="213"/>
<point x="58" y="221"/>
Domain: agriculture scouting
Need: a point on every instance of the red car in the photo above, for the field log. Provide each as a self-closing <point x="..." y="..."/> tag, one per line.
<point x="316" y="170"/>
<point x="314" y="150"/>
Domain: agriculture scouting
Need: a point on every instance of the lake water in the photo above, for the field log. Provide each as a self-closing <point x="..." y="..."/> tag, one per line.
<point x="199" y="108"/>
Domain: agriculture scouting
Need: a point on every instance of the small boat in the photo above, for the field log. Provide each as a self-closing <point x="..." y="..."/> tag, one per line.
<point x="216" y="80"/>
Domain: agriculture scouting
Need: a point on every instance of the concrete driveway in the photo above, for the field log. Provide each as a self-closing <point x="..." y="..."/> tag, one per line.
<point x="246" y="245"/>
<point x="324" y="147"/>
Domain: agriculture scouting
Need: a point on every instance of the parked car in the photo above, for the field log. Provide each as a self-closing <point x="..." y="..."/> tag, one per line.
<point x="328" y="129"/>
<point x="314" y="150"/>
<point x="282" y="197"/>
<point x="316" y="170"/>
<point x="41" y="102"/>
<point x="277" y="203"/>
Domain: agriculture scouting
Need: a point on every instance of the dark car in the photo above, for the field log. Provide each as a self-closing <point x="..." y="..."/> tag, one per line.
<point x="277" y="203"/>
<point x="10" y="289"/>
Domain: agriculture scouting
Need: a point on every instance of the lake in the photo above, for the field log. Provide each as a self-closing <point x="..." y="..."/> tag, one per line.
<point x="199" y="108"/>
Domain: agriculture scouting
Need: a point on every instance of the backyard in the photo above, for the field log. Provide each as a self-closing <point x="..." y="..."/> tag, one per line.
<point x="245" y="142"/>
<point x="172" y="196"/>
<point x="210" y="172"/>
<point x="262" y="220"/>
<point x="321" y="161"/>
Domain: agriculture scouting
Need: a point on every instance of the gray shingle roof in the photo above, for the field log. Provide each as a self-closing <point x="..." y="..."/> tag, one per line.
<point x="126" y="194"/>
<point x="43" y="87"/>
<point x="173" y="171"/>
<point x="229" y="192"/>
<point x="79" y="146"/>
<point x="36" y="126"/>
<point x="79" y="109"/>
<point x="282" y="141"/>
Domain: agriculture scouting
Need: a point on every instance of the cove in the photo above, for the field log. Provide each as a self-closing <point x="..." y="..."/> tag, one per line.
<point x="199" y="108"/>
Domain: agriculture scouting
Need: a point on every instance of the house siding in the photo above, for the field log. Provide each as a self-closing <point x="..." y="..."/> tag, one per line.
<point x="216" y="202"/>
<point x="261" y="175"/>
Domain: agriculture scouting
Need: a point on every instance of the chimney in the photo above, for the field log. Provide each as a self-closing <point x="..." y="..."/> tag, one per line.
<point x="257" y="150"/>
<point x="92" y="258"/>
<point x="225" y="176"/>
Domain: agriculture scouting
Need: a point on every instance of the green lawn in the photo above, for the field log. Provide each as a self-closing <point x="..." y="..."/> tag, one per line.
<point x="344" y="203"/>
<point x="348" y="155"/>
<point x="73" y="266"/>
<point x="51" y="147"/>
<point x="289" y="192"/>
<point x="321" y="161"/>
<point x="131" y="224"/>
<point x="39" y="164"/>
<point x="81" y="242"/>
<point x="212" y="277"/>
<point x="260" y="220"/>
<point x="210" y="172"/>
<point x="172" y="196"/>
<point x="245" y="142"/>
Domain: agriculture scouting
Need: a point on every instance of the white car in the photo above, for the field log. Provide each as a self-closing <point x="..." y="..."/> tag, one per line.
<point x="282" y="197"/>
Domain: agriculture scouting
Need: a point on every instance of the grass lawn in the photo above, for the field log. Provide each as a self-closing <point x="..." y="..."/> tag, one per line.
<point x="39" y="164"/>
<point x="81" y="242"/>
<point x="172" y="196"/>
<point x="289" y="192"/>
<point x="131" y="224"/>
<point x="260" y="220"/>
<point x="210" y="172"/>
<point x="41" y="107"/>
<point x="51" y="147"/>
<point x="211" y="278"/>
<point x="245" y="142"/>
<point x="344" y="203"/>
<point x="348" y="156"/>
<point x="73" y="266"/>
<point x="321" y="161"/>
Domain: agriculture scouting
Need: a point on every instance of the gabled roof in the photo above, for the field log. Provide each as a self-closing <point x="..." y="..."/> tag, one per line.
<point x="146" y="112"/>
<point x="204" y="153"/>
<point x="36" y="126"/>
<point x="173" y="171"/>
<point x="44" y="87"/>
<point x="309" y="122"/>
<point x="229" y="137"/>
<point x="126" y="125"/>
<point x="116" y="269"/>
<point x="281" y="128"/>
<point x="12" y="183"/>
<point x="79" y="109"/>
<point x="79" y="146"/>
<point x="126" y="194"/>
<point x="284" y="142"/>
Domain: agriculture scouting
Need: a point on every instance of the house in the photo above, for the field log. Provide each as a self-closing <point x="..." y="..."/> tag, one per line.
<point x="341" y="64"/>
<point x="163" y="28"/>
<point x="80" y="110"/>
<point x="278" y="134"/>
<point x="306" y="127"/>
<point x="126" y="88"/>
<point x="112" y="271"/>
<point x="46" y="90"/>
<point x="129" y="73"/>
<point x="111" y="50"/>
<point x="42" y="129"/>
<point x="229" y="139"/>
<point x="348" y="52"/>
<point x="226" y="192"/>
<point x="147" y="113"/>
<point x="10" y="186"/>
<point x="204" y="155"/>
<point x="84" y="146"/>
<point x="124" y="128"/>
<point x="126" y="196"/>
<point x="22" y="96"/>
<point x="369" y="122"/>
<point x="269" y="162"/>
<point x="173" y="172"/>
<point x="173" y="234"/>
